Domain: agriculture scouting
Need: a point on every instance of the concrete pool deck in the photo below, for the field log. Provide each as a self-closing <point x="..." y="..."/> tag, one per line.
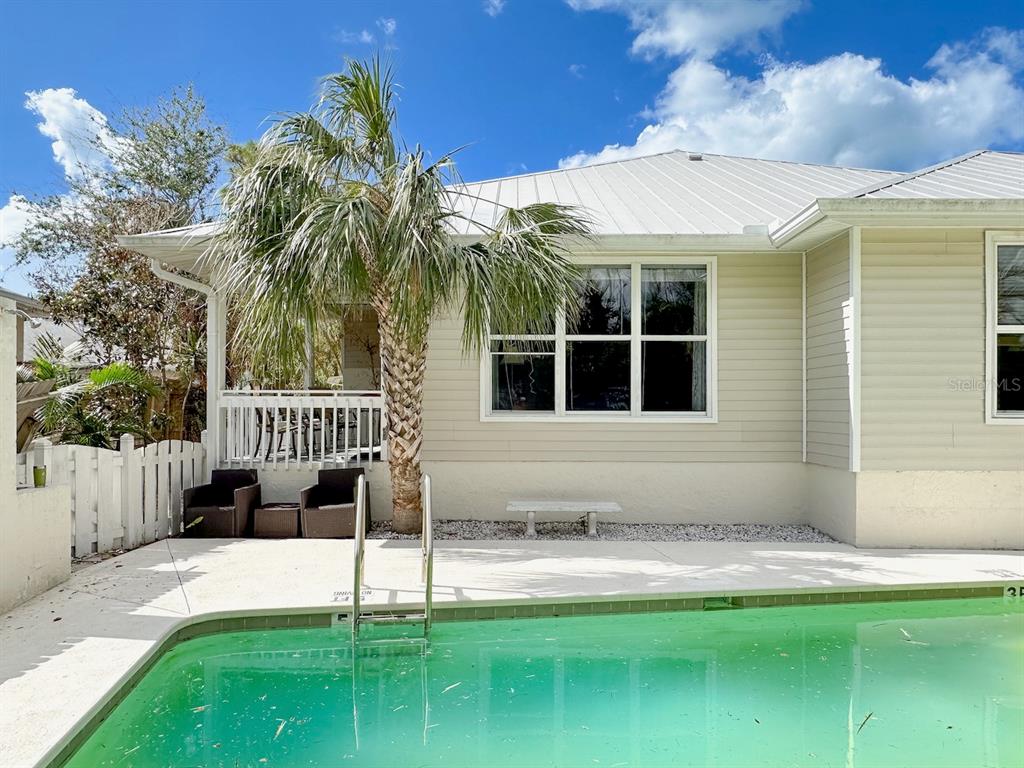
<point x="65" y="654"/>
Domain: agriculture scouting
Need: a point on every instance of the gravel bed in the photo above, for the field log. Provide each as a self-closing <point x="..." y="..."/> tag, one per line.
<point x="514" y="529"/>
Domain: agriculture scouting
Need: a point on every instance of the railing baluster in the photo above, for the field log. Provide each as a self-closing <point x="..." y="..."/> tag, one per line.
<point x="346" y="433"/>
<point x="359" y="439"/>
<point x="274" y="437"/>
<point x="334" y="429"/>
<point x="259" y="424"/>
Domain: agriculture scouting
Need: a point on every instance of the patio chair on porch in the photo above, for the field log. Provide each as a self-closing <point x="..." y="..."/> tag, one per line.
<point x="277" y="426"/>
<point x="327" y="510"/>
<point x="224" y="506"/>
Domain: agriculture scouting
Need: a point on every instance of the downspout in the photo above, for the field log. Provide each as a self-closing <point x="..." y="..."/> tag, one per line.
<point x="215" y="359"/>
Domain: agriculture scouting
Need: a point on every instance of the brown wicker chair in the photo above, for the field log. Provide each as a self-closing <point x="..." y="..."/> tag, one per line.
<point x="327" y="510"/>
<point x="225" y="504"/>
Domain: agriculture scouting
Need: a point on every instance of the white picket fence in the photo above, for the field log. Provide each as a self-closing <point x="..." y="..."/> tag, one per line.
<point x="119" y="499"/>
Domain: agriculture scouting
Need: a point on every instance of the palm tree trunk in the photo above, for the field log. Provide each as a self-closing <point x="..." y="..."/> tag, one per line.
<point x="404" y="365"/>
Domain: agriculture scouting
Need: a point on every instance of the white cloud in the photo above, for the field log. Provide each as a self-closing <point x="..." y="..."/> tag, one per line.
<point x="845" y="109"/>
<point x="81" y="139"/>
<point x="387" y="26"/>
<point x="14" y="217"/>
<point x="577" y="70"/>
<point x="79" y="130"/>
<point x="363" y="36"/>
<point x="494" y="7"/>
<point x="698" y="27"/>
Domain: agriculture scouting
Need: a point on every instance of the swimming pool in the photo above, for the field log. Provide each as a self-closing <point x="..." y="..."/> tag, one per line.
<point x="935" y="683"/>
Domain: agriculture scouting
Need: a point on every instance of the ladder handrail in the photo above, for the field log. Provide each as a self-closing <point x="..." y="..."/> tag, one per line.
<point x="426" y="551"/>
<point x="427" y="545"/>
<point x="360" y="550"/>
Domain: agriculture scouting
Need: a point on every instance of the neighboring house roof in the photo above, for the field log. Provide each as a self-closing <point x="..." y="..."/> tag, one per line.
<point x="674" y="193"/>
<point x="26" y="304"/>
<point x="979" y="174"/>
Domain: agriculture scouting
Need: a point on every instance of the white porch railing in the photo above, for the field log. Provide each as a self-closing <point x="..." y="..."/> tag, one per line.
<point x="299" y="429"/>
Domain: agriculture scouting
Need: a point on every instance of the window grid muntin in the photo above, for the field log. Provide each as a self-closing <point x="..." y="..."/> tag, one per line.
<point x="636" y="339"/>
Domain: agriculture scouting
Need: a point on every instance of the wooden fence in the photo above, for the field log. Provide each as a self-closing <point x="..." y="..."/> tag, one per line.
<point x="119" y="499"/>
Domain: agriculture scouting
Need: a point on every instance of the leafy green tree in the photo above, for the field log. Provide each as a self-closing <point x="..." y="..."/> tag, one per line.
<point x="335" y="208"/>
<point x="163" y="163"/>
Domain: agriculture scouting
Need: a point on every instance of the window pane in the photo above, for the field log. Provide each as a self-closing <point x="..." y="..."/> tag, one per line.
<point x="674" y="376"/>
<point x="675" y="301"/>
<point x="597" y="376"/>
<point x="1011" y="284"/>
<point x="1010" y="373"/>
<point x="605" y="303"/>
<point x="522" y="382"/>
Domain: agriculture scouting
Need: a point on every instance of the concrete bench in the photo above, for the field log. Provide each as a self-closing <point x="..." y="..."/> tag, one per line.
<point x="572" y="508"/>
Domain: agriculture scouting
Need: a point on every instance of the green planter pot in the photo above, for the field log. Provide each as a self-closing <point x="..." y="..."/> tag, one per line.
<point x="39" y="476"/>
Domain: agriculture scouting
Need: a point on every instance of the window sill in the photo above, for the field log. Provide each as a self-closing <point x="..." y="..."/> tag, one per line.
<point x="592" y="418"/>
<point x="1005" y="421"/>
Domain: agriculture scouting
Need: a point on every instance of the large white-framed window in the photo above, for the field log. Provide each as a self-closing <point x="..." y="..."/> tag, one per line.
<point x="644" y="348"/>
<point x="1004" y="328"/>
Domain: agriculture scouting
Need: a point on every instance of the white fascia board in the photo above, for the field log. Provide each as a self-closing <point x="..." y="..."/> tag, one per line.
<point x="895" y="211"/>
<point x="898" y="212"/>
<point x="631" y="244"/>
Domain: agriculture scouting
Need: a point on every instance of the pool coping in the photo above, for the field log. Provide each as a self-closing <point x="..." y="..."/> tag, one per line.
<point x="217" y="622"/>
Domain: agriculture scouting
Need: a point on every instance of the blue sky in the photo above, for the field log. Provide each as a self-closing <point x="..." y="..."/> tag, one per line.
<point x="532" y="84"/>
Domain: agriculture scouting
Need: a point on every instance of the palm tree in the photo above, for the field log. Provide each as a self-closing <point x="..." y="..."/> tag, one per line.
<point x="87" y="407"/>
<point x="335" y="209"/>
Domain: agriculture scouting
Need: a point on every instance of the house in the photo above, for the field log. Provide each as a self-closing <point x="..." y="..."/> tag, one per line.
<point x="762" y="341"/>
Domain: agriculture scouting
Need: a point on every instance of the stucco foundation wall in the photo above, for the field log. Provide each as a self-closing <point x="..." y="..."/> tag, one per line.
<point x="962" y="510"/>
<point x="830" y="501"/>
<point x="35" y="548"/>
<point x="35" y="523"/>
<point x="662" y="492"/>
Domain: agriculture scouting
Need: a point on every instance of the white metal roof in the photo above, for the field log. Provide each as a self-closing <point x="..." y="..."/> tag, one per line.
<point x="980" y="174"/>
<point x="673" y="200"/>
<point x="674" y="193"/>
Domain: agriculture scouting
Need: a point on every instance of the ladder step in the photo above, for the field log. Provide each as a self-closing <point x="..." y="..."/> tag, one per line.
<point x="391" y="618"/>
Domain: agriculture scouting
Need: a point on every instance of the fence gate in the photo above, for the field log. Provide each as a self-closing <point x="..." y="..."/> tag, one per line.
<point x="119" y="499"/>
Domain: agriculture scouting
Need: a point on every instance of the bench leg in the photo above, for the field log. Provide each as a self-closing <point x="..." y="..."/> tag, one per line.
<point x="592" y="524"/>
<point x="531" y="530"/>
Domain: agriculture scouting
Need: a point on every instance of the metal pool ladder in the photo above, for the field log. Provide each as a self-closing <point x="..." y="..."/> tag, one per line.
<point x="426" y="567"/>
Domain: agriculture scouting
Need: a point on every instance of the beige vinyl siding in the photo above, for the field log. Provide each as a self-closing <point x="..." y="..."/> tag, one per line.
<point x="828" y="335"/>
<point x="923" y="353"/>
<point x="759" y="365"/>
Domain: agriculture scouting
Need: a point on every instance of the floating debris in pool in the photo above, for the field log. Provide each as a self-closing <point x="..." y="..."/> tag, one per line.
<point x="864" y="721"/>
<point x="453" y="685"/>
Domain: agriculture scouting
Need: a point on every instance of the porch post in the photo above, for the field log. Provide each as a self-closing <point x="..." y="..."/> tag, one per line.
<point x="216" y="363"/>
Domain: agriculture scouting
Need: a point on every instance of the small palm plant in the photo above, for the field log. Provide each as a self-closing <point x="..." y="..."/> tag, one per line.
<point x="87" y="407"/>
<point x="334" y="209"/>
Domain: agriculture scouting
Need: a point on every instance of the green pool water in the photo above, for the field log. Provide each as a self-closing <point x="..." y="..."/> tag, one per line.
<point x="886" y="684"/>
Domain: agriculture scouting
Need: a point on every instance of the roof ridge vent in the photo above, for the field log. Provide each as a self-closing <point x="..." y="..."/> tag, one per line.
<point x="694" y="156"/>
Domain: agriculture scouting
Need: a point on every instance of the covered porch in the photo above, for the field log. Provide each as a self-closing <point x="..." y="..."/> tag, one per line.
<point x="336" y="419"/>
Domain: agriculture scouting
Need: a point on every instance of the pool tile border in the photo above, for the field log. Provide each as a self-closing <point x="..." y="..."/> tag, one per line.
<point x="662" y="604"/>
<point x="534" y="609"/>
